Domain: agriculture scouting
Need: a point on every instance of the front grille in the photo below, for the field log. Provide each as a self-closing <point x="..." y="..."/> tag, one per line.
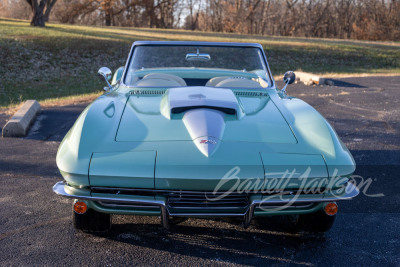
<point x="197" y="202"/>
<point x="180" y="200"/>
<point x="207" y="201"/>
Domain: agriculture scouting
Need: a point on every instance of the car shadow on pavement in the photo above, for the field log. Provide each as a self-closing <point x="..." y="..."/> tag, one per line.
<point x="341" y="83"/>
<point x="225" y="242"/>
<point x="267" y="239"/>
<point x="52" y="124"/>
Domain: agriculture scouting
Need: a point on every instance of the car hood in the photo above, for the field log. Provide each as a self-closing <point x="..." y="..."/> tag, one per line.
<point x="190" y="140"/>
<point x="206" y="116"/>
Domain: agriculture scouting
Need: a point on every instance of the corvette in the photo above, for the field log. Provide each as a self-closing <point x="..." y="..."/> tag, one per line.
<point x="200" y="129"/>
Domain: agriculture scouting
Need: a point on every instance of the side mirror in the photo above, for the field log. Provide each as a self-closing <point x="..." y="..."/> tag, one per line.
<point x="105" y="73"/>
<point x="288" y="78"/>
<point x="117" y="76"/>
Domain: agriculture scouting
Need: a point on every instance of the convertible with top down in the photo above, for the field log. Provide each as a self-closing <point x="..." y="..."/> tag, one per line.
<point x="200" y="129"/>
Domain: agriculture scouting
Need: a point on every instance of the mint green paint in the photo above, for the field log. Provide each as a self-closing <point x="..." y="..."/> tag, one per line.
<point x="145" y="129"/>
<point x="119" y="169"/>
<point x="133" y="145"/>
<point x="76" y="179"/>
<point x="191" y="170"/>
<point x="71" y="161"/>
<point x="261" y="122"/>
<point x="289" y="170"/>
<point x="315" y="134"/>
<point x="142" y="121"/>
<point x="296" y="165"/>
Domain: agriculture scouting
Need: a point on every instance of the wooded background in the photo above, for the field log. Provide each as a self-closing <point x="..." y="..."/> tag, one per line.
<point x="344" y="19"/>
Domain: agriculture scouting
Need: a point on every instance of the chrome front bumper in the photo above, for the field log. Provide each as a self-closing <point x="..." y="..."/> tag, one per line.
<point x="350" y="192"/>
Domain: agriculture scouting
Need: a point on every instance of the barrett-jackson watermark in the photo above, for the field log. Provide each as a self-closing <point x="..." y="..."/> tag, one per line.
<point x="282" y="186"/>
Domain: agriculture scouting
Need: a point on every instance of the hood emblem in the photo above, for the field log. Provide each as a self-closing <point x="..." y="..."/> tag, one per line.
<point x="208" y="141"/>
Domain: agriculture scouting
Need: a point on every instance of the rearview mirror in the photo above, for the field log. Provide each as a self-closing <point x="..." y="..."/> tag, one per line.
<point x="197" y="56"/>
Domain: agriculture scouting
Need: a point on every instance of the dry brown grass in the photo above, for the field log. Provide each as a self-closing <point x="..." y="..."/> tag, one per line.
<point x="71" y="100"/>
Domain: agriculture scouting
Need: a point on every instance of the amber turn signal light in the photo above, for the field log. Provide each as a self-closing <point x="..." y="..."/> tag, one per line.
<point x="80" y="207"/>
<point x="331" y="208"/>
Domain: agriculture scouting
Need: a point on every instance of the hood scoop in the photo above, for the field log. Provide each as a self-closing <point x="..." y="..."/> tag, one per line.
<point x="179" y="100"/>
<point x="206" y="127"/>
<point x="202" y="110"/>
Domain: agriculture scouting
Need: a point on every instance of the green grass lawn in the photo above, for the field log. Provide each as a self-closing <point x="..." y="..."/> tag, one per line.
<point x="62" y="60"/>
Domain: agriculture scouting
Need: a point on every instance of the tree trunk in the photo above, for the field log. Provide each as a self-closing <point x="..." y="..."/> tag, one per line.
<point x="37" y="10"/>
<point x="108" y="18"/>
<point x="38" y="16"/>
<point x="49" y="6"/>
<point x="107" y="7"/>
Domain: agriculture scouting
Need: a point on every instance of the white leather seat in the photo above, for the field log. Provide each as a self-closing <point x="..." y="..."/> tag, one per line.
<point x="157" y="82"/>
<point x="214" y="81"/>
<point x="233" y="82"/>
<point x="166" y="76"/>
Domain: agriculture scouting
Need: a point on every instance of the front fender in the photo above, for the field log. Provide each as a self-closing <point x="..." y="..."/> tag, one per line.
<point x="95" y="126"/>
<point x="315" y="134"/>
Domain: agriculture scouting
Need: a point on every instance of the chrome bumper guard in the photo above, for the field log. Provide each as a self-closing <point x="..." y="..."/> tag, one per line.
<point x="351" y="191"/>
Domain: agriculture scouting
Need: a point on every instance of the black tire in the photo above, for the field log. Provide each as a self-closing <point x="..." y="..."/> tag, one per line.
<point x="317" y="222"/>
<point x="92" y="221"/>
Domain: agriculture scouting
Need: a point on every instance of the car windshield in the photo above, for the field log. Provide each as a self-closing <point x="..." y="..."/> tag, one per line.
<point x="197" y="65"/>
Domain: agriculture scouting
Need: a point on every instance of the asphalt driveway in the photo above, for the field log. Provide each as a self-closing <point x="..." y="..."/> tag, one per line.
<point x="36" y="229"/>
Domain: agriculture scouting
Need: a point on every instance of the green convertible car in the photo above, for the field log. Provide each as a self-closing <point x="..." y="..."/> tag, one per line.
<point x="199" y="129"/>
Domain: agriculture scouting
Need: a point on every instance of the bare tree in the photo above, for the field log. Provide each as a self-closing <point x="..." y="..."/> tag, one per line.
<point x="193" y="17"/>
<point x="49" y="7"/>
<point x="107" y="8"/>
<point x="358" y="19"/>
<point x="41" y="11"/>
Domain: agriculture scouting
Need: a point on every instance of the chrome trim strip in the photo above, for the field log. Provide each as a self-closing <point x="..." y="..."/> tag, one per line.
<point x="351" y="191"/>
<point x="173" y="193"/>
<point x="304" y="206"/>
<point x="59" y="189"/>
<point x="207" y="208"/>
<point x="208" y="214"/>
<point x="121" y="205"/>
<point x="195" y="43"/>
<point x="167" y="192"/>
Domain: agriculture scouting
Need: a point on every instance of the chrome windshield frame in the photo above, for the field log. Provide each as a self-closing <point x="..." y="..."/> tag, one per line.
<point x="191" y="43"/>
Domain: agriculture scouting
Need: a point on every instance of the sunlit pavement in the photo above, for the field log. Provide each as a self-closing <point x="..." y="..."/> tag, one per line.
<point x="36" y="228"/>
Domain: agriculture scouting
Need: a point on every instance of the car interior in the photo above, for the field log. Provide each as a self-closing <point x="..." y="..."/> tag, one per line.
<point x="169" y="80"/>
